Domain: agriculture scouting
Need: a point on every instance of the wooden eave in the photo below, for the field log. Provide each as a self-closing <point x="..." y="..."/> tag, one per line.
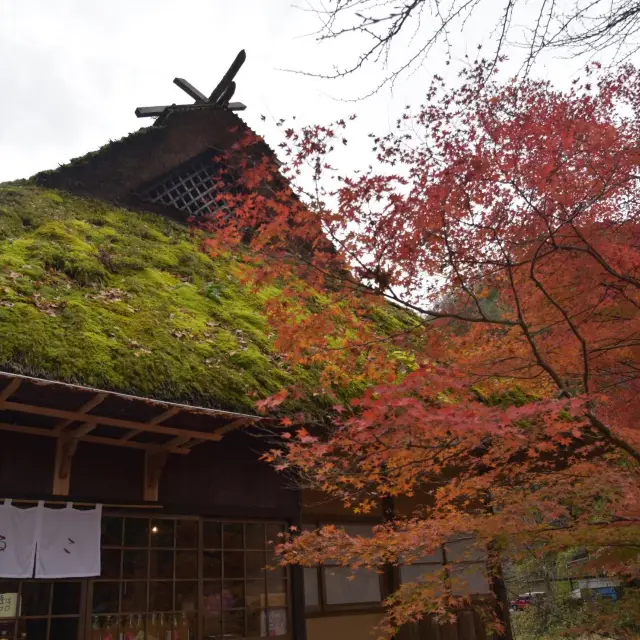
<point x="82" y="414"/>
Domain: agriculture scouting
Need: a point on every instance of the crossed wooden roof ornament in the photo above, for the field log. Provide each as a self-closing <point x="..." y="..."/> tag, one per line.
<point x="219" y="98"/>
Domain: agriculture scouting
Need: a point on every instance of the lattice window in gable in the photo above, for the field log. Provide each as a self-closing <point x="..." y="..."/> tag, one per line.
<point x="193" y="188"/>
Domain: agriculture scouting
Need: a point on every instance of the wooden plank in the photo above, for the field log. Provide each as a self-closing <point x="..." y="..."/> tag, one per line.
<point x="466" y="626"/>
<point x="84" y="429"/>
<point x="10" y="389"/>
<point x="228" y="77"/>
<point x="449" y="631"/>
<point x="227" y="94"/>
<point x="65" y="450"/>
<point x="150" y="112"/>
<point x="113" y="422"/>
<point x="232" y="426"/>
<point x="179" y="441"/>
<point x="85" y="408"/>
<point x="154" y="462"/>
<point x="172" y="411"/>
<point x="48" y="433"/>
<point x="432" y="629"/>
<point x="190" y="90"/>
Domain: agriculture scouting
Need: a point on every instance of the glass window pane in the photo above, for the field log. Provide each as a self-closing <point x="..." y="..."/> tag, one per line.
<point x="187" y="534"/>
<point x="161" y="564"/>
<point x="276" y="622"/>
<point x="163" y="533"/>
<point x="186" y="596"/>
<point x="186" y="564"/>
<point x="212" y="564"/>
<point x="36" y="629"/>
<point x="277" y="596"/>
<point x="311" y="593"/>
<point x="234" y="592"/>
<point x="212" y="535"/>
<point x="255" y="597"/>
<point x="233" y="625"/>
<point x="216" y="599"/>
<point x="187" y="627"/>
<point x="464" y="551"/>
<point x="233" y="566"/>
<point x="66" y="598"/>
<point x="469" y="579"/>
<point x="233" y="535"/>
<point x="255" y="535"/>
<point x="346" y="586"/>
<point x="256" y="623"/>
<point x="134" y="564"/>
<point x="256" y="563"/>
<point x="64" y="628"/>
<point x="160" y="596"/>
<point x="35" y="598"/>
<point x="365" y="530"/>
<point x="273" y="531"/>
<point x="111" y="531"/>
<point x="134" y="597"/>
<point x="136" y="532"/>
<point x="212" y="623"/>
<point x="110" y="563"/>
<point x="105" y="597"/>
<point x="433" y="573"/>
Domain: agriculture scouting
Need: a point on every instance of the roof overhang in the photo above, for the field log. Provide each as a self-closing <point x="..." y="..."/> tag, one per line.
<point x="72" y="414"/>
<point x="60" y="410"/>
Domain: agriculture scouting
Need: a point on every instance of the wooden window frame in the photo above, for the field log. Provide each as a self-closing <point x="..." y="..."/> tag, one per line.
<point x="323" y="609"/>
<point x="86" y="614"/>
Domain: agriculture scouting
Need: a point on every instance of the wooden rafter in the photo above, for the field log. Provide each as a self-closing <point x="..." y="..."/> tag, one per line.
<point x="48" y="433"/>
<point x="9" y="390"/>
<point x="172" y="411"/>
<point x="85" y="408"/>
<point x="182" y="440"/>
<point x="106" y="420"/>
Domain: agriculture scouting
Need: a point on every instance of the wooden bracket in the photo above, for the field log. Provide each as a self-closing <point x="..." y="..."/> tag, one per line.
<point x="154" y="462"/>
<point x="65" y="450"/>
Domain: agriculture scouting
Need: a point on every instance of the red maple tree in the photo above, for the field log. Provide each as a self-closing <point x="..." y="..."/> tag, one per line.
<point x="505" y="217"/>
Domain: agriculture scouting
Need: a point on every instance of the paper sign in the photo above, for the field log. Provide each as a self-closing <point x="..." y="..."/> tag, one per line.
<point x="8" y="605"/>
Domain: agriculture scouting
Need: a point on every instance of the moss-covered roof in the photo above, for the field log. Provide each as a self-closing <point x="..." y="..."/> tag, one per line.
<point x="121" y="300"/>
<point x="127" y="301"/>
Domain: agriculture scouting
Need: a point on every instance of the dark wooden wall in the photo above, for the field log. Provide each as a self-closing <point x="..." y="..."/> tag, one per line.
<point x="468" y="626"/>
<point x="225" y="479"/>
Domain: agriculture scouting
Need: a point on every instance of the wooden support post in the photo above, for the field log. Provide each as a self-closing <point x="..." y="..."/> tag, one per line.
<point x="65" y="450"/>
<point x="154" y="462"/>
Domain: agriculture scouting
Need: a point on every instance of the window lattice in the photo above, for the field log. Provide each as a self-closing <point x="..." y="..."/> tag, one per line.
<point x="193" y="189"/>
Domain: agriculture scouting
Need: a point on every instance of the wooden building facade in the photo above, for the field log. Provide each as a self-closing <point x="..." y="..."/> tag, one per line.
<point x="189" y="510"/>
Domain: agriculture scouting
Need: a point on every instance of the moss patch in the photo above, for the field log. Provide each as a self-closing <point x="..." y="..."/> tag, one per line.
<point x="122" y="300"/>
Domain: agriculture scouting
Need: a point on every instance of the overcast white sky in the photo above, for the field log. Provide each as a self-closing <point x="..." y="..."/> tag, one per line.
<point x="73" y="71"/>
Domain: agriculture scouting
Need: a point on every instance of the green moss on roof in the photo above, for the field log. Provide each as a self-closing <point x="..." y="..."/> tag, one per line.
<point x="117" y="299"/>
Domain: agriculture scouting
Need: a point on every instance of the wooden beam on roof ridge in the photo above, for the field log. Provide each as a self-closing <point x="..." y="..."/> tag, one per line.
<point x="190" y="90"/>
<point x="10" y="389"/>
<point x="85" y="408"/>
